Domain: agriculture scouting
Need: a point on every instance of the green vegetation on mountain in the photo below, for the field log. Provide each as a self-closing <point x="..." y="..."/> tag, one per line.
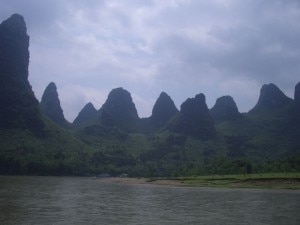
<point x="194" y="119"/>
<point x="34" y="138"/>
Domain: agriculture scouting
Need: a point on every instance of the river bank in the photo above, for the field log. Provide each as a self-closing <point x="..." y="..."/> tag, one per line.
<point x="269" y="181"/>
<point x="156" y="181"/>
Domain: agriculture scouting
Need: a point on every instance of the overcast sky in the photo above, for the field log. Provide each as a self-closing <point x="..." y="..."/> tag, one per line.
<point x="182" y="47"/>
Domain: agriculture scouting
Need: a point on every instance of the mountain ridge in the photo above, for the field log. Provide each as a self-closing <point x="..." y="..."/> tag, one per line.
<point x="115" y="140"/>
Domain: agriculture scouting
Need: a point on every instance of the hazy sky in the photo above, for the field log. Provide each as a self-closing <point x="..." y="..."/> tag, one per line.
<point x="182" y="47"/>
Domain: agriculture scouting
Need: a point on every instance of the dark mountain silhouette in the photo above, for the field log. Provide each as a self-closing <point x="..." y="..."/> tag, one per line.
<point x="18" y="105"/>
<point x="119" y="110"/>
<point x="225" y="109"/>
<point x="293" y="116"/>
<point x="164" y="109"/>
<point x="115" y="140"/>
<point x="271" y="98"/>
<point x="50" y="105"/>
<point x="86" y="114"/>
<point x="297" y="94"/>
<point x="194" y="119"/>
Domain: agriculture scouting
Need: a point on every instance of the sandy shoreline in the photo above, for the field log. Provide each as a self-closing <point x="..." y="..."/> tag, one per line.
<point x="269" y="183"/>
<point x="126" y="180"/>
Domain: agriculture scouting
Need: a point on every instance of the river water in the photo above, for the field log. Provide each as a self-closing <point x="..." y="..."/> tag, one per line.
<point x="69" y="200"/>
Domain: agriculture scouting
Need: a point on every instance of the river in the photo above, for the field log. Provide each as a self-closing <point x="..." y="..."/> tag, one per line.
<point x="72" y="200"/>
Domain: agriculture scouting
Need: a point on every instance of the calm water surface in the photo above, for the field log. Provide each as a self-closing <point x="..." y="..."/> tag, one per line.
<point x="61" y="200"/>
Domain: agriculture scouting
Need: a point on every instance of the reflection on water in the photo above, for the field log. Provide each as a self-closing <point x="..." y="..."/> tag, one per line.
<point x="61" y="200"/>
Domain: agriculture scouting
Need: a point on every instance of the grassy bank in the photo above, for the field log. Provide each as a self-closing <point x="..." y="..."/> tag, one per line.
<point x="270" y="180"/>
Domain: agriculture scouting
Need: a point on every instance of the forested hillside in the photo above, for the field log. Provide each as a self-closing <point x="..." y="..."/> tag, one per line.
<point x="35" y="138"/>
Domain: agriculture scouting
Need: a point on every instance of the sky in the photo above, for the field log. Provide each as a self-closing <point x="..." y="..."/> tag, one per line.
<point x="182" y="47"/>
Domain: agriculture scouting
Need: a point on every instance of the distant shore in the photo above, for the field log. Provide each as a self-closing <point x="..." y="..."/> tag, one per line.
<point x="156" y="181"/>
<point x="266" y="181"/>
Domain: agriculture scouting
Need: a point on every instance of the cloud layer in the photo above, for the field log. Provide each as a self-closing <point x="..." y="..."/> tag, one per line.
<point x="183" y="47"/>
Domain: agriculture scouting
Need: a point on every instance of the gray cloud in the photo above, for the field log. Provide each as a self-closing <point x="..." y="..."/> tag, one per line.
<point x="217" y="47"/>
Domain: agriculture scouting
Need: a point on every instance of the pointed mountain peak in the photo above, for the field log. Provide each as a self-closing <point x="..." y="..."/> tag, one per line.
<point x="15" y="24"/>
<point x="15" y="40"/>
<point x="119" y="108"/>
<point x="194" y="106"/>
<point x="120" y="98"/>
<point x="164" y="95"/>
<point x="163" y="110"/>
<point x="118" y="89"/>
<point x="225" y="109"/>
<point x="16" y="17"/>
<point x="50" y="105"/>
<point x="50" y="93"/>
<point x="194" y="119"/>
<point x="52" y="84"/>
<point x="18" y="105"/>
<point x="297" y="93"/>
<point x="200" y="97"/>
<point x="90" y="106"/>
<point x="51" y="88"/>
<point x="271" y="97"/>
<point x="87" y="113"/>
